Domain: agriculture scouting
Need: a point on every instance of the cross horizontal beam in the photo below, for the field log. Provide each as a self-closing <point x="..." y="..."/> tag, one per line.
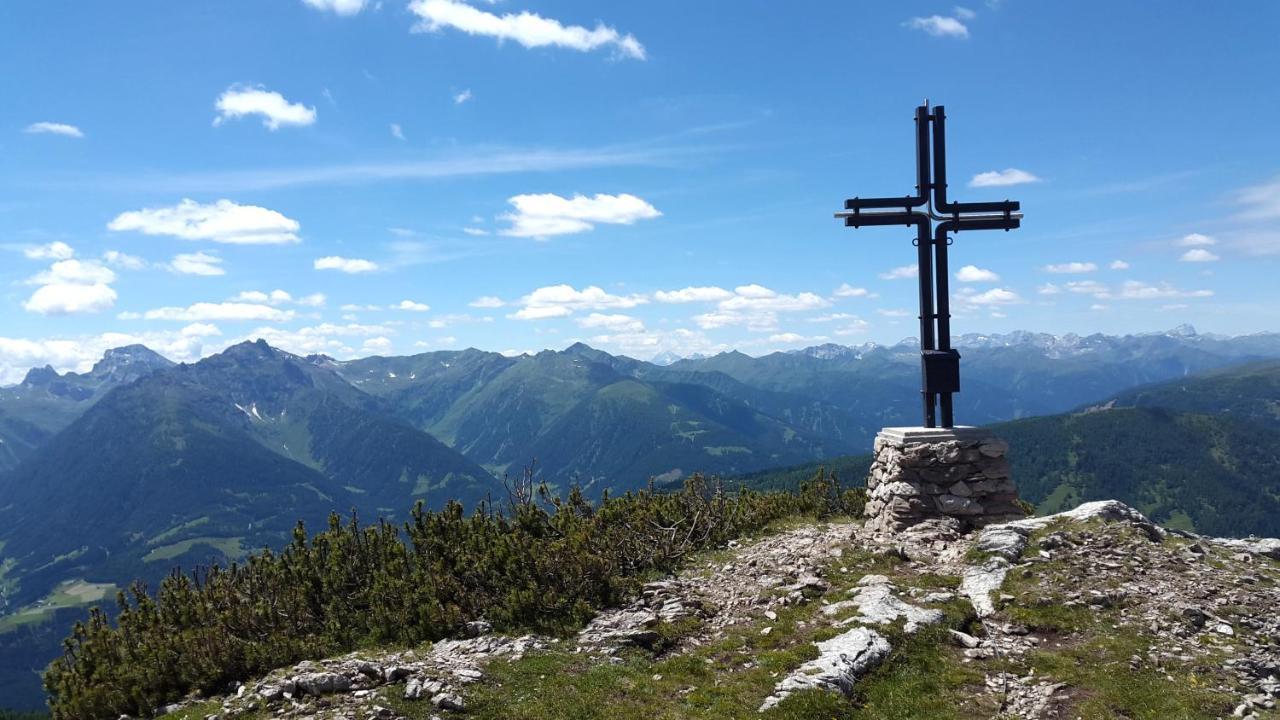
<point x="1006" y="221"/>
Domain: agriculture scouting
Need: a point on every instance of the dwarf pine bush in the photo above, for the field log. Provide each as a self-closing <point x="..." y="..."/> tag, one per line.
<point x="541" y="562"/>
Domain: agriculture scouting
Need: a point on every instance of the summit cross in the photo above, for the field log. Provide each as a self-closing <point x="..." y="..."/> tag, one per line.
<point x="939" y="362"/>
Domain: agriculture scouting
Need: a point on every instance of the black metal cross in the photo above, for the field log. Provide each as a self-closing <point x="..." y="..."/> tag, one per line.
<point x="939" y="362"/>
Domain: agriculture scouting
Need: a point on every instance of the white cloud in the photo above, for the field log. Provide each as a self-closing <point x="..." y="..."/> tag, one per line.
<point x="280" y="297"/>
<point x="1198" y="255"/>
<point x="526" y="28"/>
<point x="346" y="265"/>
<point x="901" y="273"/>
<point x="964" y="13"/>
<point x="756" y="307"/>
<point x="848" y="291"/>
<point x="856" y="326"/>
<point x="241" y="101"/>
<point x="541" y="312"/>
<point x="973" y="274"/>
<point x="1000" y="178"/>
<point x="411" y="306"/>
<point x="547" y="214"/>
<point x="994" y="296"/>
<point x="84" y="272"/>
<point x="222" y="222"/>
<point x="648" y="343"/>
<point x="377" y="345"/>
<point x="614" y="323"/>
<point x="56" y="250"/>
<point x="1119" y="265"/>
<point x="1049" y="289"/>
<point x="831" y="317"/>
<point x="562" y="300"/>
<point x="445" y="321"/>
<point x="198" y="263"/>
<point x="939" y="26"/>
<point x="893" y="312"/>
<point x="231" y="311"/>
<point x="487" y="301"/>
<point x="201" y="330"/>
<point x="1088" y="287"/>
<point x="337" y="7"/>
<point x="53" y="128"/>
<point x="396" y="131"/>
<point x="757" y="297"/>
<point x="1136" y="290"/>
<point x="72" y="286"/>
<point x="1098" y="307"/>
<point x="78" y="354"/>
<point x="1071" y="268"/>
<point x="70" y="298"/>
<point x="1195" y="240"/>
<point x="123" y="261"/>
<point x="462" y="97"/>
<point x="1260" y="202"/>
<point x="790" y="338"/>
<point x="693" y="294"/>
<point x="475" y="232"/>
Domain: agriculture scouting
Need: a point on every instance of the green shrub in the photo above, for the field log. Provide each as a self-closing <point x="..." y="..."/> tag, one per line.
<point x="542" y="562"/>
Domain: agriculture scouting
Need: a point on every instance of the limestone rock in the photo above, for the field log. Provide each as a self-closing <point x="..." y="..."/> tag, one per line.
<point x="840" y="662"/>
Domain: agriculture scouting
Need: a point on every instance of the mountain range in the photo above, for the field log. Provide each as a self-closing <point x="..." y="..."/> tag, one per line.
<point x="140" y="465"/>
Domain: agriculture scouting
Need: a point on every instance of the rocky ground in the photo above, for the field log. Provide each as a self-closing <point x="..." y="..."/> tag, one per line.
<point x="1092" y="613"/>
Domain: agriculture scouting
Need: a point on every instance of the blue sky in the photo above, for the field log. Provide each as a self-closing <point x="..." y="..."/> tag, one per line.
<point x="391" y="177"/>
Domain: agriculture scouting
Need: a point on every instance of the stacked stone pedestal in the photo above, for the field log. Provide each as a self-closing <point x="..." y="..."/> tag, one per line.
<point x="923" y="473"/>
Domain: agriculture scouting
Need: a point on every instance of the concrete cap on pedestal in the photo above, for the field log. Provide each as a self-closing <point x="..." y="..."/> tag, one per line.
<point x="913" y="435"/>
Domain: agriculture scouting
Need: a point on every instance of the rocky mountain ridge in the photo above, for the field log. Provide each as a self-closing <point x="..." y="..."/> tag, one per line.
<point x="1094" y="612"/>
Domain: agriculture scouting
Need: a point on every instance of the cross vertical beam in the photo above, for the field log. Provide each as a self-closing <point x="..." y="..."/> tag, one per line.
<point x="939" y="362"/>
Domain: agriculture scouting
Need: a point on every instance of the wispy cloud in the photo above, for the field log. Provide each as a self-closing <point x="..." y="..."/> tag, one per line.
<point x="56" y="250"/>
<point x="473" y="163"/>
<point x="229" y="311"/>
<point x="487" y="301"/>
<point x="1259" y="202"/>
<point x="939" y="26"/>
<point x="901" y="273"/>
<point x="526" y="28"/>
<point x="351" y="266"/>
<point x="1195" y="240"/>
<point x="337" y="7"/>
<point x="1001" y="178"/>
<point x="462" y="97"/>
<point x="53" y="128"/>
<point x="1071" y="268"/>
<point x="198" y="263"/>
<point x="1198" y="255"/>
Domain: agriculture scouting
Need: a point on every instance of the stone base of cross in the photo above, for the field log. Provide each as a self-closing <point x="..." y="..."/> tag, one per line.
<point x="939" y="362"/>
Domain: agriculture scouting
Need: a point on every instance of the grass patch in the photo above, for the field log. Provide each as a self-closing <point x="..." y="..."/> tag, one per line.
<point x="230" y="547"/>
<point x="68" y="594"/>
<point x="1107" y="687"/>
<point x="923" y="678"/>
